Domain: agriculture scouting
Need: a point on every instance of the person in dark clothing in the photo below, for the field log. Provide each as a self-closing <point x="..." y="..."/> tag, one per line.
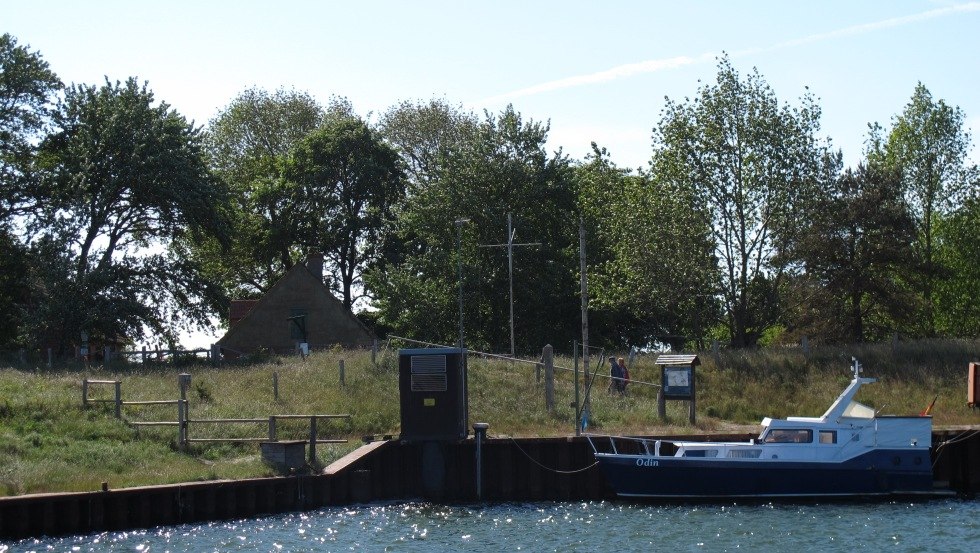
<point x="616" y="376"/>
<point x="625" y="373"/>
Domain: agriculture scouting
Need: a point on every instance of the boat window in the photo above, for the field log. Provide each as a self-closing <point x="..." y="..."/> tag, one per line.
<point x="828" y="437"/>
<point x="701" y="453"/>
<point x="745" y="453"/>
<point x="788" y="436"/>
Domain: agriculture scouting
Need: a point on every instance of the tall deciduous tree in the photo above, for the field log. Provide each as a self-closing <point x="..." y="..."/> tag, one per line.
<point x="130" y="178"/>
<point x="928" y="145"/>
<point x="343" y="183"/>
<point x="753" y="163"/>
<point x="247" y="143"/>
<point x="503" y="168"/>
<point x="655" y="277"/>
<point x="857" y="244"/>
<point x="27" y="87"/>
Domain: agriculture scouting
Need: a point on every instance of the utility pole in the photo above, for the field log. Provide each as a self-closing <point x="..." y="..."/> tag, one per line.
<point x="459" y="257"/>
<point x="510" y="271"/>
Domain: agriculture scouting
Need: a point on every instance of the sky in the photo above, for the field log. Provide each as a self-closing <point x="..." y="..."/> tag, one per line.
<point x="596" y="71"/>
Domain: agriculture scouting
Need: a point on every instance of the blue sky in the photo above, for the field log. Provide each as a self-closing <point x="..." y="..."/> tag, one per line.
<point x="598" y="71"/>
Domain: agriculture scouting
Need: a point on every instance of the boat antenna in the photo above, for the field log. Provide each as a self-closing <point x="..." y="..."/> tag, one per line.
<point x="856" y="367"/>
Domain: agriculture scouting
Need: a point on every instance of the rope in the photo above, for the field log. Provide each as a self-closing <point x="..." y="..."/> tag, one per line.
<point x="556" y="471"/>
<point x="956" y="439"/>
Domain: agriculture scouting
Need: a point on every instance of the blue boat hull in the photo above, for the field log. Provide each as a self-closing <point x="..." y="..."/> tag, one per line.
<point x="882" y="472"/>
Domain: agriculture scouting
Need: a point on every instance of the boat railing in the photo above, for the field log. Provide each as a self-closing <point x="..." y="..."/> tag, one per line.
<point x="626" y="445"/>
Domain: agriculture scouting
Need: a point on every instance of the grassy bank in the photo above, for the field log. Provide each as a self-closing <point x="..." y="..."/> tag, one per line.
<point x="49" y="442"/>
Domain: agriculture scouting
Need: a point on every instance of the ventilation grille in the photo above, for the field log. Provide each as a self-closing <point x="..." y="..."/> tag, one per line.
<point x="429" y="373"/>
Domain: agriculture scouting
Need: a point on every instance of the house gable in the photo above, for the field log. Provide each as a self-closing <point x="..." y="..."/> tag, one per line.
<point x="298" y="292"/>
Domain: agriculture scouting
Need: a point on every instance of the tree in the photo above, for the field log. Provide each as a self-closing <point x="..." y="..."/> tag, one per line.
<point x="343" y="183"/>
<point x="753" y="164"/>
<point x="129" y="178"/>
<point x="957" y="249"/>
<point x="656" y="278"/>
<point x="502" y="168"/>
<point x="247" y="143"/>
<point x="425" y="133"/>
<point x="928" y="145"/>
<point x="27" y="87"/>
<point x="857" y="245"/>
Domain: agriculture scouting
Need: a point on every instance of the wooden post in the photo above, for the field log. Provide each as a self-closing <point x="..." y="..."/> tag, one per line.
<point x="84" y="392"/>
<point x="312" y="440"/>
<point x="342" y="382"/>
<point x="118" y="399"/>
<point x="578" y="412"/>
<point x="143" y="355"/>
<point x="272" y="428"/>
<point x="549" y="377"/>
<point x="183" y="410"/>
<point x="275" y="385"/>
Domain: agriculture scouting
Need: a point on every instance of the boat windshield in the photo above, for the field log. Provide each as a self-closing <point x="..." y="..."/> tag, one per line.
<point x="787" y="436"/>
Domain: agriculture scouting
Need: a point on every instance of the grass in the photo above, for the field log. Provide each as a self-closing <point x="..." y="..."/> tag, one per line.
<point x="49" y="442"/>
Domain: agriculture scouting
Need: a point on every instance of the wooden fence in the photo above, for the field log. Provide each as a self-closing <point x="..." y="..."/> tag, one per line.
<point x="184" y="422"/>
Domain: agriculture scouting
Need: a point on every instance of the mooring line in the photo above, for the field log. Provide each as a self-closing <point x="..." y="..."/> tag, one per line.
<point x="955" y="439"/>
<point x="535" y="461"/>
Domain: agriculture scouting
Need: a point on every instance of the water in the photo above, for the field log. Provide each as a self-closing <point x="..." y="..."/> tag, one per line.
<point x="947" y="525"/>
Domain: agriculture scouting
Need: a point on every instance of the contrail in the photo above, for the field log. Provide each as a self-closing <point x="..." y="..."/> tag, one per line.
<point x="653" y="66"/>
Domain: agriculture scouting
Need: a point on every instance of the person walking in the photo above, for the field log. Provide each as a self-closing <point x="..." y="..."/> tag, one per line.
<point x="615" y="376"/>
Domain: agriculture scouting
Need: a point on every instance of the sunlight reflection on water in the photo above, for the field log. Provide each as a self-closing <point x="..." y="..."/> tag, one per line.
<point x="950" y="525"/>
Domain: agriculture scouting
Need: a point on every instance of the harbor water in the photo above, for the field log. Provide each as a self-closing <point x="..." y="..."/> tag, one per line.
<point x="937" y="525"/>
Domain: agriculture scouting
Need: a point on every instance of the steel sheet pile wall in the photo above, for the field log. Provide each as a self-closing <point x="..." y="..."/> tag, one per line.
<point x="526" y="469"/>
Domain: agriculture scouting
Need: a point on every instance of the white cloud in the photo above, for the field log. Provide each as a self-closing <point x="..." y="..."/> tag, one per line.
<point x="653" y="66"/>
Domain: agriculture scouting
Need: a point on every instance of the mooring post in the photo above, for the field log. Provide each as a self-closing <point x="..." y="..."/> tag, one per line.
<point x="275" y="385"/>
<point x="549" y="377"/>
<point x="118" y="399"/>
<point x="578" y="412"/>
<point x="312" y="440"/>
<point x="480" y="430"/>
<point x="342" y="383"/>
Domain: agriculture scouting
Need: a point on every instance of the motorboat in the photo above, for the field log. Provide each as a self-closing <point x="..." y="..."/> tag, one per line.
<point x="851" y="450"/>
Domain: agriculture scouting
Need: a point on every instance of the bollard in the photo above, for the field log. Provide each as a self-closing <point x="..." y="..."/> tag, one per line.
<point x="480" y="430"/>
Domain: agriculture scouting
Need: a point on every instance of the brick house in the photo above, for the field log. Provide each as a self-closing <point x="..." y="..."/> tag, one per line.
<point x="297" y="307"/>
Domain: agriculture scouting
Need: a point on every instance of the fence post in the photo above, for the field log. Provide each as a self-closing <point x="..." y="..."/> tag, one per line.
<point x="118" y="399"/>
<point x="215" y="353"/>
<point x="183" y="410"/>
<point x="549" y="377"/>
<point x="275" y="385"/>
<point x="342" y="382"/>
<point x="143" y="355"/>
<point x="85" y="392"/>
<point x="312" y="440"/>
<point x="272" y="428"/>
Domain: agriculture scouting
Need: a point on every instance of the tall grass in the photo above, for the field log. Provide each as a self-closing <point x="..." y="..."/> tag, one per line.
<point x="49" y="442"/>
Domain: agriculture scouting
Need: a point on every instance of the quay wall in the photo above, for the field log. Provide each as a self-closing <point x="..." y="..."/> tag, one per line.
<point x="523" y="469"/>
